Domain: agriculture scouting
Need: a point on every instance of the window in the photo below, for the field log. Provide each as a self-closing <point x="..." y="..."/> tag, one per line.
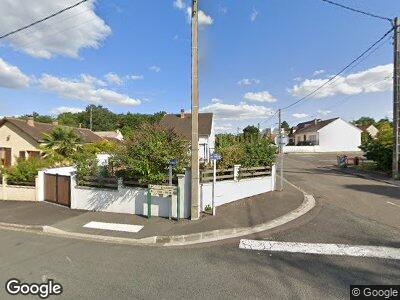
<point x="32" y="154"/>
<point x="22" y="154"/>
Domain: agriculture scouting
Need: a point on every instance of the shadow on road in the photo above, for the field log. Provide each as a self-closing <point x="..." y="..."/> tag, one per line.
<point x="384" y="190"/>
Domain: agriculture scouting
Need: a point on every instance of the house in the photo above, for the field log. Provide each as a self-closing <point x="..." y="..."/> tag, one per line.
<point x="182" y="125"/>
<point x="112" y="136"/>
<point x="370" y="129"/>
<point x="23" y="138"/>
<point x="333" y="135"/>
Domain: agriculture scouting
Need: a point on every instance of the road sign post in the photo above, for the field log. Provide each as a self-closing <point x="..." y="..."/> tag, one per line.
<point x="171" y="165"/>
<point x="214" y="157"/>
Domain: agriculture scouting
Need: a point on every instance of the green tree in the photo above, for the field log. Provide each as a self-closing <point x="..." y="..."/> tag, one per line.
<point x="285" y="125"/>
<point x="380" y="149"/>
<point x="251" y="131"/>
<point x="61" y="143"/>
<point x="364" y="121"/>
<point x="145" y="155"/>
<point x="69" y="119"/>
<point x="39" y="118"/>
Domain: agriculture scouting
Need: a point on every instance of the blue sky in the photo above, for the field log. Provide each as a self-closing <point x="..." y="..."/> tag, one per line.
<point x="255" y="56"/>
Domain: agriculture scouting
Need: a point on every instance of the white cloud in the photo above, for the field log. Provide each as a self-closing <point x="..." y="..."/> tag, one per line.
<point x="113" y="78"/>
<point x="89" y="79"/>
<point x="318" y="72"/>
<point x="368" y="81"/>
<point x="179" y="4"/>
<point x="204" y="20"/>
<point x="216" y="100"/>
<point x="12" y="77"/>
<point x="253" y="15"/>
<point x="298" y="79"/>
<point x="84" y="91"/>
<point x="264" y="96"/>
<point x="300" y="115"/>
<point x="248" y="81"/>
<point x="64" y="34"/>
<point x="135" y="77"/>
<point x="156" y="69"/>
<point x="221" y="128"/>
<point x="324" y="112"/>
<point x="65" y="109"/>
<point x="223" y="111"/>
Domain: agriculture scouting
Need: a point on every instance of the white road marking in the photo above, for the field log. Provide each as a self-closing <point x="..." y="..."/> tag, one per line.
<point x="113" y="226"/>
<point x="393" y="203"/>
<point x="322" y="249"/>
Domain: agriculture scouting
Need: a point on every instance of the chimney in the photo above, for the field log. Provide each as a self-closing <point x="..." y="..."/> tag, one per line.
<point x="182" y="113"/>
<point x="30" y="122"/>
<point x="315" y="121"/>
<point x="55" y="123"/>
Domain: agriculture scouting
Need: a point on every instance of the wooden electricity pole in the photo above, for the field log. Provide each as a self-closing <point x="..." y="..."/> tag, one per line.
<point x="396" y="100"/>
<point x="195" y="211"/>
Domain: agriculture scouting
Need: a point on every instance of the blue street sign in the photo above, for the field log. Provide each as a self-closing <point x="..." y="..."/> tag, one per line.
<point x="172" y="162"/>
<point x="215" y="156"/>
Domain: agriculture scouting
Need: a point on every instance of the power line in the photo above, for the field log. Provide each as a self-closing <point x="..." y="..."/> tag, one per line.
<point x="340" y="72"/>
<point x="42" y="20"/>
<point x="358" y="11"/>
<point x="270" y="118"/>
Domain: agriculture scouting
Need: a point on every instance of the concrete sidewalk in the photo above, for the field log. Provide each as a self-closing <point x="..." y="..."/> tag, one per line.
<point x="246" y="213"/>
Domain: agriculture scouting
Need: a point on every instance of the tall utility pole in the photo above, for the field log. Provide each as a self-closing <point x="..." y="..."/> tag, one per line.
<point x="396" y="100"/>
<point x="195" y="211"/>
<point x="280" y="150"/>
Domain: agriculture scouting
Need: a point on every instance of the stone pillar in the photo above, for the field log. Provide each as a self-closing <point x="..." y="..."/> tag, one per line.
<point x="182" y="204"/>
<point x="236" y="170"/>
<point x="40" y="186"/>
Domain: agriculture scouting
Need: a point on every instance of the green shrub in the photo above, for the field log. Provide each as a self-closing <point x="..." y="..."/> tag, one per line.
<point x="380" y="149"/>
<point x="25" y="171"/>
<point x="146" y="153"/>
<point x="247" y="151"/>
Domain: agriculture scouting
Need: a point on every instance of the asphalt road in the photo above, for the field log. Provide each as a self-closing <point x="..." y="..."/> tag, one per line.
<point x="347" y="212"/>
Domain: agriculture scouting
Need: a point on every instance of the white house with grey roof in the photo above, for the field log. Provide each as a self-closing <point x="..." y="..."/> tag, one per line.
<point x="182" y="125"/>
<point x="333" y="135"/>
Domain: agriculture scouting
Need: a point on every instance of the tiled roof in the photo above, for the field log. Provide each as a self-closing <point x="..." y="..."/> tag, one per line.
<point x="183" y="126"/>
<point x="37" y="131"/>
<point x="313" y="126"/>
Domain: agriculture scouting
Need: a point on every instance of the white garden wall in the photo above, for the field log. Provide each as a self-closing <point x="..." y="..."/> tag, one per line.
<point x="233" y="190"/>
<point x="301" y="149"/>
<point x="128" y="200"/>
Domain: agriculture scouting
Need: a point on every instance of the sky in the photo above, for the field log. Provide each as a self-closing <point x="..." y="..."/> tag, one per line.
<point x="255" y="56"/>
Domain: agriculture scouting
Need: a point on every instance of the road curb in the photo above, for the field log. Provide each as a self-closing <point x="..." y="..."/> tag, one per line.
<point x="178" y="240"/>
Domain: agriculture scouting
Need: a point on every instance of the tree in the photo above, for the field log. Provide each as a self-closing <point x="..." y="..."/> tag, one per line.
<point x="39" y="118"/>
<point x="380" y="149"/>
<point x="69" y="119"/>
<point x="364" y="121"/>
<point x="145" y="155"/>
<point x="251" y="130"/>
<point x="285" y="125"/>
<point x="61" y="143"/>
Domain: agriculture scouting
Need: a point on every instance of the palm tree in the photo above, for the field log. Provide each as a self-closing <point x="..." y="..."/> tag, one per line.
<point x="61" y="143"/>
